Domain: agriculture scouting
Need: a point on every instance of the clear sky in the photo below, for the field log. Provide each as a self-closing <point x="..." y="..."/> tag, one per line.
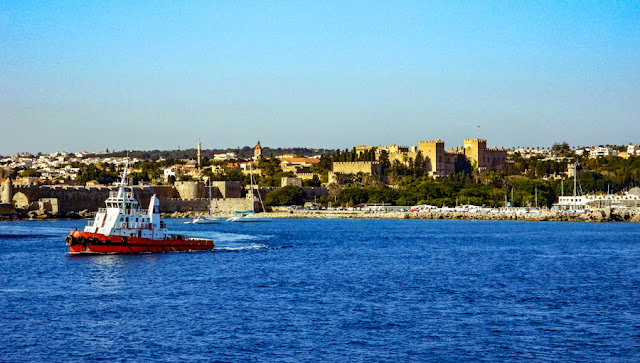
<point x="91" y="75"/>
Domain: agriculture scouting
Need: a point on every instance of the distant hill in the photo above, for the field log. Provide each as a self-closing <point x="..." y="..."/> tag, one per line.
<point x="243" y="153"/>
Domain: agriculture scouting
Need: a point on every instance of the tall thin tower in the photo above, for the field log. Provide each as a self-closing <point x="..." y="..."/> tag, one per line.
<point x="199" y="150"/>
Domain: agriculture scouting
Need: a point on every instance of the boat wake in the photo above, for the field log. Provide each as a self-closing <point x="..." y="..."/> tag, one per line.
<point x="252" y="246"/>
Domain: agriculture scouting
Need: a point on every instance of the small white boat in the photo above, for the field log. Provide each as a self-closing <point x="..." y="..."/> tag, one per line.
<point x="207" y="219"/>
<point x="247" y="217"/>
<point x="250" y="215"/>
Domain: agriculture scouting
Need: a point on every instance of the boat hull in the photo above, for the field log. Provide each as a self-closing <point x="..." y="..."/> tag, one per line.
<point x="206" y="221"/>
<point x="96" y="243"/>
<point x="248" y="220"/>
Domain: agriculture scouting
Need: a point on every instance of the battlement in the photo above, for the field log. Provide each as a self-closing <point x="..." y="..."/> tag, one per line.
<point x="436" y="141"/>
<point x="354" y="167"/>
<point x="356" y="162"/>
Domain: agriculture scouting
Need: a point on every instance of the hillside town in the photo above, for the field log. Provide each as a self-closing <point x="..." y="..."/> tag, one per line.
<point x="392" y="177"/>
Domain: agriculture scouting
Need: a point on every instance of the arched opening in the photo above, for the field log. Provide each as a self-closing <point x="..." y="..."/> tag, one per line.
<point x="20" y="200"/>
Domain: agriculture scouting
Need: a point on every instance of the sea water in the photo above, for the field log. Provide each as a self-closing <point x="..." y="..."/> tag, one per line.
<point x="328" y="290"/>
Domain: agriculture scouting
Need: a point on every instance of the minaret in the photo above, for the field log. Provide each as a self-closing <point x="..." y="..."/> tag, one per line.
<point x="199" y="150"/>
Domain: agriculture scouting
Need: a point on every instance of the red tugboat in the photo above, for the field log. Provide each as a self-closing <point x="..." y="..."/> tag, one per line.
<point x="122" y="227"/>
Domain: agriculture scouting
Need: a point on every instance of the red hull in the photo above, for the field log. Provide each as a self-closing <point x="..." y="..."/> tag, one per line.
<point x="84" y="242"/>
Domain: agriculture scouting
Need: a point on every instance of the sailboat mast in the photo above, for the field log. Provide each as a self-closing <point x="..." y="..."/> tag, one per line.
<point x="251" y="181"/>
<point x="210" y="209"/>
<point x="575" y="185"/>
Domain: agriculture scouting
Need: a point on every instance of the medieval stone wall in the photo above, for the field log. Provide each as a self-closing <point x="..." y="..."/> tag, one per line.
<point x="365" y="167"/>
<point x="202" y="205"/>
<point x="226" y="189"/>
<point x="189" y="189"/>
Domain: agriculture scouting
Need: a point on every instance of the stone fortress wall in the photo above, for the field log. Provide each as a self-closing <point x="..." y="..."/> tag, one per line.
<point x="62" y="199"/>
<point x="355" y="167"/>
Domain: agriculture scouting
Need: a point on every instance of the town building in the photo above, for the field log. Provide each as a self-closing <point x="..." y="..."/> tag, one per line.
<point x="602" y="151"/>
<point x="178" y="170"/>
<point x="225" y="156"/>
<point x="298" y="165"/>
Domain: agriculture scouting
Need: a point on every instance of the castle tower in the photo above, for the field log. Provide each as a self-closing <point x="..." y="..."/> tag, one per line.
<point x="7" y="192"/>
<point x="474" y="150"/>
<point x="199" y="150"/>
<point x="433" y="152"/>
<point x="257" y="151"/>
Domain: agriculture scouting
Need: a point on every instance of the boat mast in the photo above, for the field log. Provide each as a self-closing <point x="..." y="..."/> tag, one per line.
<point x="575" y="185"/>
<point x="210" y="197"/>
<point x="251" y="181"/>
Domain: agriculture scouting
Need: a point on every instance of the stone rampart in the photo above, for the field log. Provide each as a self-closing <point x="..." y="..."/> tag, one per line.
<point x="306" y="176"/>
<point x="202" y="205"/>
<point x="66" y="198"/>
<point x="226" y="189"/>
<point x="291" y="181"/>
<point x="166" y="191"/>
<point x="189" y="189"/>
<point x="355" y="167"/>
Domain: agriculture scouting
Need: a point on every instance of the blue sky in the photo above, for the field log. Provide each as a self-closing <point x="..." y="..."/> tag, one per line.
<point x="157" y="75"/>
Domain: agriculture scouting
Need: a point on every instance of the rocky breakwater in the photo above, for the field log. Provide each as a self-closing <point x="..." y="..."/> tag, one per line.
<point x="594" y="215"/>
<point x="11" y="213"/>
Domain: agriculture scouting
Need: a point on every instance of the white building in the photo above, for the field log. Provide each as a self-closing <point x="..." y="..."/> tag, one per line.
<point x="602" y="151"/>
<point x="225" y="156"/>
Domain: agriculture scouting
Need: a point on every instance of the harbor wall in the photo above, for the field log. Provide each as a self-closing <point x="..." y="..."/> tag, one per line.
<point x="229" y="205"/>
<point x="65" y="199"/>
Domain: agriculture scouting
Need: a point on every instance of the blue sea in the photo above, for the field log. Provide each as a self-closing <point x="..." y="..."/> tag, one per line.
<point x="328" y="290"/>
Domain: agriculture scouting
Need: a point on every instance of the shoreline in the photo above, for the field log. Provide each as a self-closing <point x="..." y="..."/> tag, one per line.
<point x="595" y="215"/>
<point x="592" y="215"/>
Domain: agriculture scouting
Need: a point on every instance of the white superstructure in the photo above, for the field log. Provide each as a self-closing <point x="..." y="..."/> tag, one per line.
<point x="123" y="217"/>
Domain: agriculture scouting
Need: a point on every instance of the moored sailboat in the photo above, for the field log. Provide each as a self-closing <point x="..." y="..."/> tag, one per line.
<point x="250" y="215"/>
<point x="209" y="218"/>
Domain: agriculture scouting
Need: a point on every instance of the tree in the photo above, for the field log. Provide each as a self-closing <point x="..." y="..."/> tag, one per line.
<point x="313" y="182"/>
<point x="384" y="161"/>
<point x="419" y="165"/>
<point x="30" y="173"/>
<point x="269" y="166"/>
<point x="560" y="148"/>
<point x="289" y="195"/>
<point x="276" y="179"/>
<point x="93" y="173"/>
<point x="462" y="165"/>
